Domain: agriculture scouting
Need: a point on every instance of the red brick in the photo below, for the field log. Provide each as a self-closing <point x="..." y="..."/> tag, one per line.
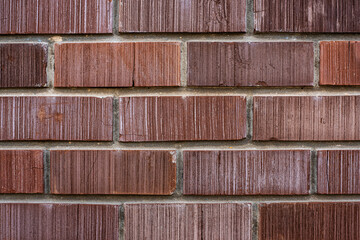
<point x="23" y="65"/>
<point x="56" y="118"/>
<point x="307" y="16"/>
<point x="188" y="221"/>
<point x="338" y="172"/>
<point x="340" y="63"/>
<point x="113" y="172"/>
<point x="137" y="64"/>
<point x="182" y="16"/>
<point x="58" y="221"/>
<point x="306" y="118"/>
<point x="21" y="171"/>
<point x="298" y="221"/>
<point x="182" y="118"/>
<point x="250" y="64"/>
<point x="55" y="17"/>
<point x="247" y="172"/>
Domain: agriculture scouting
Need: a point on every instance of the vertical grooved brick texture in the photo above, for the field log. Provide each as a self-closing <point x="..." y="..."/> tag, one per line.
<point x="55" y="17"/>
<point x="58" y="221"/>
<point x="250" y="64"/>
<point x="182" y="118"/>
<point x="55" y="118"/>
<point x="130" y="64"/>
<point x="182" y="16"/>
<point x="112" y="172"/>
<point x="306" y="118"/>
<point x="188" y="221"/>
<point x="298" y="221"/>
<point x="23" y="65"/>
<point x="335" y="16"/>
<point x="340" y="63"/>
<point x="246" y="172"/>
<point x="21" y="171"/>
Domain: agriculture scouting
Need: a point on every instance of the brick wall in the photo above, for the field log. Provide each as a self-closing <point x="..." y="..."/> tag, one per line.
<point x="180" y="119"/>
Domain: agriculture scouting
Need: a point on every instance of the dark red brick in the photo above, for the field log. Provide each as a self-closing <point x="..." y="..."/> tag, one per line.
<point x="250" y="64"/>
<point x="187" y="118"/>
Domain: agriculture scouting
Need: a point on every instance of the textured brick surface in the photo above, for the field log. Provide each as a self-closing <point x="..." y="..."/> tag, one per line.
<point x="340" y="63"/>
<point x="306" y="118"/>
<point x="188" y="221"/>
<point x="182" y="118"/>
<point x="117" y="64"/>
<point x="297" y="221"/>
<point x="56" y="118"/>
<point x="58" y="221"/>
<point x="51" y="16"/>
<point x="112" y="172"/>
<point x="246" y="172"/>
<point x="250" y="64"/>
<point x="334" y="16"/>
<point x="21" y="171"/>
<point x="182" y="16"/>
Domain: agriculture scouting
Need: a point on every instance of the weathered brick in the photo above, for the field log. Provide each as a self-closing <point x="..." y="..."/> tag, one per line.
<point x="56" y="118"/>
<point x="182" y="118"/>
<point x="250" y="64"/>
<point x="247" y="172"/>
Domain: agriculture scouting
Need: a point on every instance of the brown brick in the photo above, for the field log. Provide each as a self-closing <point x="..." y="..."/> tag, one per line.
<point x="58" y="221"/>
<point x="246" y="172"/>
<point x="306" y="118"/>
<point x="340" y="63"/>
<point x="113" y="172"/>
<point x="21" y="171"/>
<point x="250" y="64"/>
<point x="307" y="16"/>
<point x="182" y="16"/>
<point x="137" y="64"/>
<point x="298" y="221"/>
<point x="56" y="118"/>
<point x="55" y="17"/>
<point x="182" y="118"/>
<point x="188" y="221"/>
<point x="338" y="172"/>
<point x="23" y="65"/>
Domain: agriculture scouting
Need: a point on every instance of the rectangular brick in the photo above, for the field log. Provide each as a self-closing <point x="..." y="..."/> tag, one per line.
<point x="340" y="63"/>
<point x="186" y="118"/>
<point x="316" y="220"/>
<point x="55" y="17"/>
<point x="338" y="172"/>
<point x="182" y="16"/>
<point x="238" y="64"/>
<point x="23" y="65"/>
<point x="188" y="221"/>
<point x="55" y="118"/>
<point x="132" y="64"/>
<point x="112" y="172"/>
<point x="247" y="172"/>
<point x="306" y="118"/>
<point x="334" y="16"/>
<point x="21" y="171"/>
<point x="58" y="221"/>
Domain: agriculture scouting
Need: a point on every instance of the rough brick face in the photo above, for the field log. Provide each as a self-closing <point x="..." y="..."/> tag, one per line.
<point x="250" y="64"/>
<point x="182" y="118"/>
<point x="57" y="17"/>
<point x="340" y="63"/>
<point x="246" y="172"/>
<point x="112" y="172"/>
<point x="130" y="64"/>
<point x="182" y="16"/>
<point x="56" y="118"/>
<point x="188" y="221"/>
<point x="21" y="171"/>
